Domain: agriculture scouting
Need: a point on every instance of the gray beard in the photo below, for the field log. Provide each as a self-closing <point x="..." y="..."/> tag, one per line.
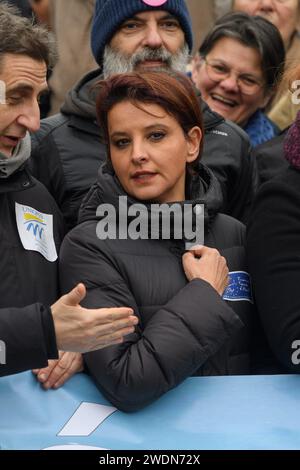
<point x="115" y="62"/>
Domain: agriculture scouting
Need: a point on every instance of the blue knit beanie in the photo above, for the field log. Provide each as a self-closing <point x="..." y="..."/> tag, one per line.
<point x="109" y="14"/>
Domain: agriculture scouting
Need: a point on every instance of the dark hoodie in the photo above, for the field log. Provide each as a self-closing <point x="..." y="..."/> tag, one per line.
<point x="185" y="327"/>
<point x="68" y="150"/>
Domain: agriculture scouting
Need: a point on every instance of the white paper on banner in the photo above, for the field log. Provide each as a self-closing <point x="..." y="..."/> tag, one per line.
<point x="75" y="447"/>
<point x="86" y="419"/>
<point x="36" y="231"/>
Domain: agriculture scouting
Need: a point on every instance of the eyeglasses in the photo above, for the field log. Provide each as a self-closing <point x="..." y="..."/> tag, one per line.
<point x="218" y="71"/>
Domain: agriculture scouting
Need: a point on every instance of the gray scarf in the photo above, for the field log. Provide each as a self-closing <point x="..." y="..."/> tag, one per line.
<point x="8" y="165"/>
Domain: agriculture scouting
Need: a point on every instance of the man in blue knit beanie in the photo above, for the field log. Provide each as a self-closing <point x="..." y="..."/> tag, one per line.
<point x="129" y="34"/>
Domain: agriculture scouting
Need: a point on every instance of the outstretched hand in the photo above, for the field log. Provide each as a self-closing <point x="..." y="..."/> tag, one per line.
<point x="82" y="330"/>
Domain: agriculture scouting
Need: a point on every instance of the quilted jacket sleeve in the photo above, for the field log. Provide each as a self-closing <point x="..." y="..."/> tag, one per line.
<point x="27" y="338"/>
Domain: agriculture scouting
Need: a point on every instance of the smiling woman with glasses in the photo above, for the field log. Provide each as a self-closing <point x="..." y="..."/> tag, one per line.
<point x="237" y="70"/>
<point x="217" y="71"/>
<point x="285" y="15"/>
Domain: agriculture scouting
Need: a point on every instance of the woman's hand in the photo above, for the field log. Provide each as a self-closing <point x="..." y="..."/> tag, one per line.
<point x="59" y="370"/>
<point x="207" y="264"/>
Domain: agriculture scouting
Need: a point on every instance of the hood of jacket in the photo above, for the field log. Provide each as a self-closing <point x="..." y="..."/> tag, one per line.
<point x="80" y="101"/>
<point x="205" y="189"/>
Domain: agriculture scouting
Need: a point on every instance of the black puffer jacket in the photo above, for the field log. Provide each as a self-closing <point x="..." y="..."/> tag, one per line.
<point x="185" y="327"/>
<point x="67" y="153"/>
<point x="29" y="282"/>
<point x="273" y="248"/>
<point x="270" y="158"/>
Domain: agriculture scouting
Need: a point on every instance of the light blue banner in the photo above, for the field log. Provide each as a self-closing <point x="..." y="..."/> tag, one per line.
<point x="203" y="413"/>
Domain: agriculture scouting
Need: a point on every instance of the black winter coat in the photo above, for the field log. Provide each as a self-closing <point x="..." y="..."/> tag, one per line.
<point x="68" y="150"/>
<point x="185" y="327"/>
<point x="270" y="158"/>
<point x="29" y="283"/>
<point x="273" y="251"/>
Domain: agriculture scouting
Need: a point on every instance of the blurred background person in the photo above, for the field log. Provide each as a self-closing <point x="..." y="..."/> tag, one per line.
<point x="40" y="9"/>
<point x="71" y="22"/>
<point x="282" y="13"/>
<point x="40" y="12"/>
<point x="237" y="68"/>
<point x="203" y="13"/>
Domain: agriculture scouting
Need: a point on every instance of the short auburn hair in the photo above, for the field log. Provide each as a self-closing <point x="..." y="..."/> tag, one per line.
<point x="173" y="91"/>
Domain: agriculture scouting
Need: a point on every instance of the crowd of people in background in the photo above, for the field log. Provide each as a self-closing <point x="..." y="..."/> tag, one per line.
<point x="140" y="103"/>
